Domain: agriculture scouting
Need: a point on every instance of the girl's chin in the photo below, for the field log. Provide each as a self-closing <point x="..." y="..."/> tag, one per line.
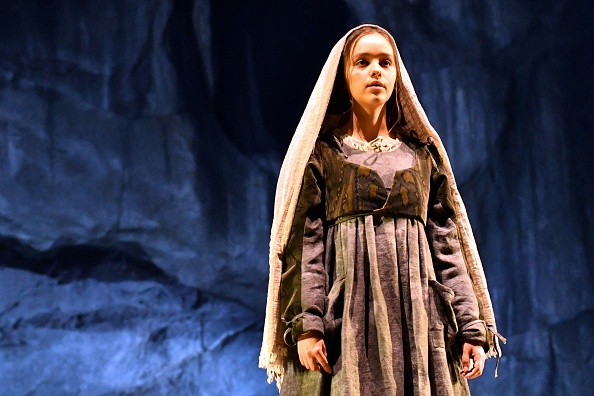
<point x="373" y="102"/>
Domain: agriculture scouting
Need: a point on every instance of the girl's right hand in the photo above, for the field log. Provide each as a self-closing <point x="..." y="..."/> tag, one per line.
<point x="312" y="351"/>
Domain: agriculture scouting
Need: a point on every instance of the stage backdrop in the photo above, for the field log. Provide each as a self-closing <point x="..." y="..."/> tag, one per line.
<point x="139" y="147"/>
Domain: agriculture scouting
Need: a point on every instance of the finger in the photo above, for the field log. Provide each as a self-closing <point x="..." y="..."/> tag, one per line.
<point x="479" y="360"/>
<point x="465" y="361"/>
<point x="481" y="365"/>
<point x="326" y="367"/>
<point x="301" y="354"/>
<point x="307" y="364"/>
<point x="322" y="356"/>
<point x="477" y="369"/>
<point x="314" y="366"/>
<point x="475" y="372"/>
<point x="323" y="361"/>
<point x="472" y="373"/>
<point x="306" y="360"/>
<point x="312" y="362"/>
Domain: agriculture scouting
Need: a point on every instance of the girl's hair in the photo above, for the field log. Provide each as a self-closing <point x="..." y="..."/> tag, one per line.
<point x="340" y="104"/>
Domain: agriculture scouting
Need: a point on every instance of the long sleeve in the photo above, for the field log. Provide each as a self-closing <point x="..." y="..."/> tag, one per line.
<point x="450" y="268"/>
<point x="304" y="279"/>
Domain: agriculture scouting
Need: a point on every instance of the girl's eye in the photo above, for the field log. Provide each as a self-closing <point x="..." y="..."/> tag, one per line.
<point x="386" y="63"/>
<point x="361" y="62"/>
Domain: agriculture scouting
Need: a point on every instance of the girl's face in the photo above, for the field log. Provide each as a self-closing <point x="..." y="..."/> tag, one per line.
<point x="371" y="71"/>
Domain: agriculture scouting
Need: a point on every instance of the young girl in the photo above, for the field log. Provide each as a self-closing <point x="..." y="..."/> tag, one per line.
<point x="374" y="270"/>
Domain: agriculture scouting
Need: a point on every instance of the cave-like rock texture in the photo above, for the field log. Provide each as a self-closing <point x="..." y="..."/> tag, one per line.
<point x="139" y="147"/>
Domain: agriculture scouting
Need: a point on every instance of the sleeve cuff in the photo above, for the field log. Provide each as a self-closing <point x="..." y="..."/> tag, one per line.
<point x="301" y="324"/>
<point x="474" y="332"/>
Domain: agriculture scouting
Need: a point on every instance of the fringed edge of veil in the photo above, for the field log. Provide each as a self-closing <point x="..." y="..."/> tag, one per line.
<point x="273" y="352"/>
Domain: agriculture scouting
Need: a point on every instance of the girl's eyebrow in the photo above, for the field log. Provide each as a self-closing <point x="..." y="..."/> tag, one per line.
<point x="380" y="54"/>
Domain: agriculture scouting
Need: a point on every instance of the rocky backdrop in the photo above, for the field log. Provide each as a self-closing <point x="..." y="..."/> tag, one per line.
<point x="139" y="147"/>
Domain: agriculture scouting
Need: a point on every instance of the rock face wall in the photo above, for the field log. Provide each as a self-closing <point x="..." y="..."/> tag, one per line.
<point x="139" y="148"/>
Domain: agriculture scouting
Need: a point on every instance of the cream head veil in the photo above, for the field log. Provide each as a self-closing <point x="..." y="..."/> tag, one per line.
<point x="273" y="353"/>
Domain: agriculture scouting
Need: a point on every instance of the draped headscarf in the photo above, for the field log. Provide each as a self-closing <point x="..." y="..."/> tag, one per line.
<point x="273" y="352"/>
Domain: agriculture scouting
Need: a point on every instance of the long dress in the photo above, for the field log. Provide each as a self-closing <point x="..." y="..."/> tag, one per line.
<point x="374" y="264"/>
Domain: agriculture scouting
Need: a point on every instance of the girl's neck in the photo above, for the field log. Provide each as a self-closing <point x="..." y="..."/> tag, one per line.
<point x="368" y="125"/>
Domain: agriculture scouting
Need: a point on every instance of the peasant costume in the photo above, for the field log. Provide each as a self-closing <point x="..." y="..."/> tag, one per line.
<point x="372" y="247"/>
